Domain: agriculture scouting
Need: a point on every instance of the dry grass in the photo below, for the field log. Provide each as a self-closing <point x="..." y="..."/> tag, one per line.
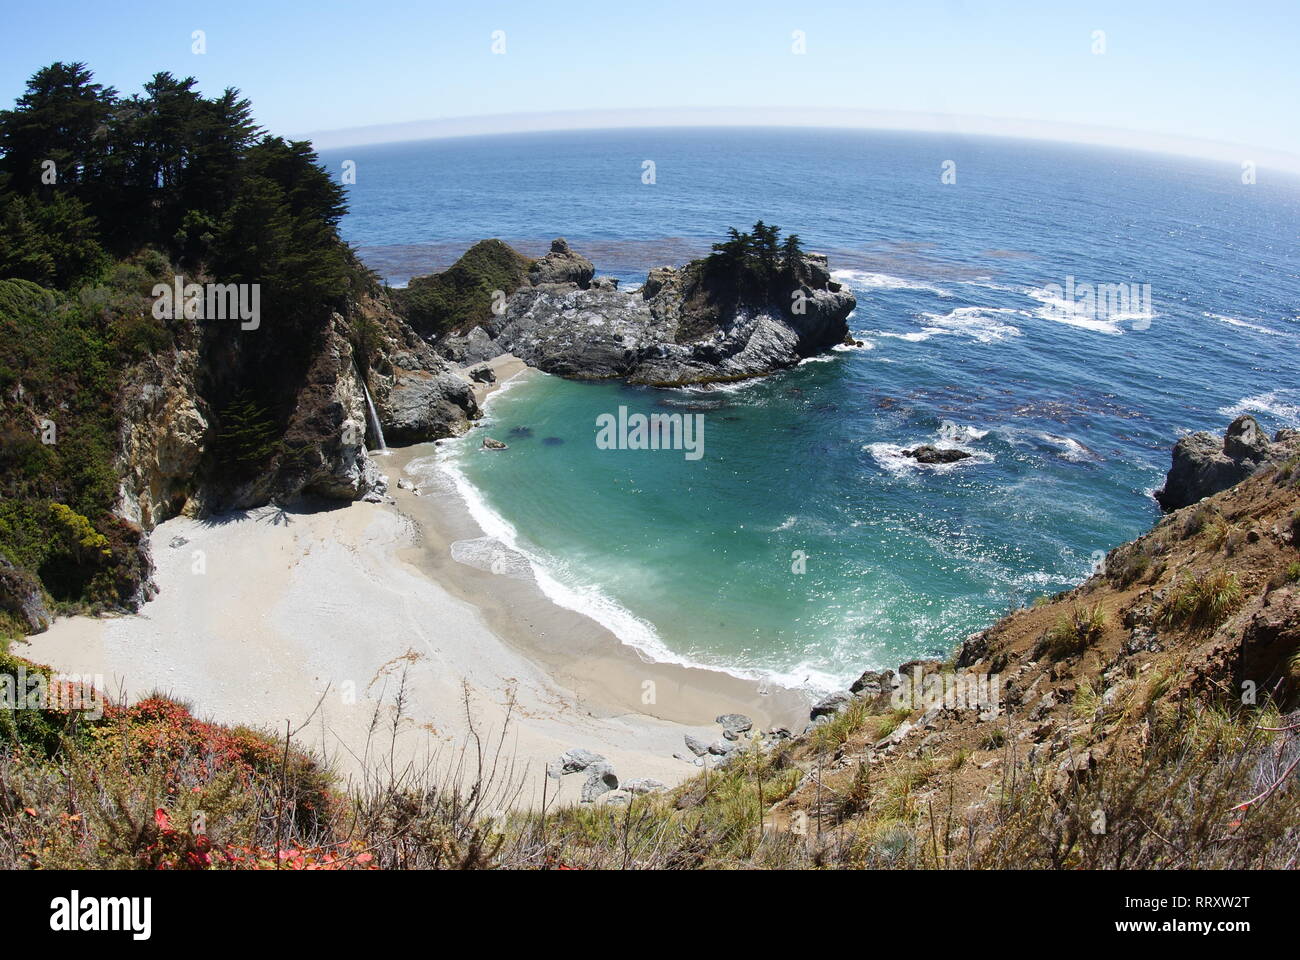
<point x="1202" y="602"/>
<point x="1075" y="632"/>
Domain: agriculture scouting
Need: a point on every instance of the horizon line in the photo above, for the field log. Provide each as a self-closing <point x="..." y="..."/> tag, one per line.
<point x="960" y="125"/>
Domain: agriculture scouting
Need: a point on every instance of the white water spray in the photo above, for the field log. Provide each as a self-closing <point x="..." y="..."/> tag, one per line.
<point x="373" y="418"/>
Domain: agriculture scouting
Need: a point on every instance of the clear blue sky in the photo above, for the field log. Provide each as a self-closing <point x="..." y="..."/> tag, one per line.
<point x="1218" y="71"/>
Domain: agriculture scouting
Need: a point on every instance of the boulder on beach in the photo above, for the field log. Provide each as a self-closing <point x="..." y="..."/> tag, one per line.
<point x="734" y="724"/>
<point x="830" y="705"/>
<point x="600" y="779"/>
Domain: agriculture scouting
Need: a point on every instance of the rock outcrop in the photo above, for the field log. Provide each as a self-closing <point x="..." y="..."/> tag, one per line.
<point x="561" y="265"/>
<point x="22" y="599"/>
<point x="682" y="326"/>
<point x="927" y="453"/>
<point x="1204" y="465"/>
<point x="163" y="436"/>
<point x="227" y="419"/>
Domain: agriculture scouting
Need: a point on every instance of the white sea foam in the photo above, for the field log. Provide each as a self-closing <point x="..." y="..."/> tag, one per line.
<point x="1070" y="448"/>
<point x="892" y="458"/>
<point x="490" y="554"/>
<point x="1076" y="314"/>
<point x="1281" y="404"/>
<point x="962" y="433"/>
<point x="1065" y="447"/>
<point x="983" y="324"/>
<point x="1247" y="324"/>
<point x="865" y="280"/>
<point x="917" y="336"/>
<point x="734" y="386"/>
<point x="586" y="600"/>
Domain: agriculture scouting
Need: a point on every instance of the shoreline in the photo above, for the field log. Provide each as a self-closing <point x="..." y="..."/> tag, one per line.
<point x="320" y="618"/>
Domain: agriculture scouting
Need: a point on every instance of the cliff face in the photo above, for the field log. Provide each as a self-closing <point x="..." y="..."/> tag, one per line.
<point x="307" y="386"/>
<point x="683" y="326"/>
<point x="164" y="425"/>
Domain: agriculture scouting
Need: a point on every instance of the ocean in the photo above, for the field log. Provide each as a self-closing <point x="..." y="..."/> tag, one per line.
<point x="802" y="546"/>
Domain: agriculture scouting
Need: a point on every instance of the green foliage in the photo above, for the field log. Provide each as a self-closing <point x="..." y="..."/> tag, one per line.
<point x="24" y="721"/>
<point x="101" y="197"/>
<point x="52" y="242"/>
<point x="748" y="264"/>
<point x="460" y="297"/>
<point x="248" y="437"/>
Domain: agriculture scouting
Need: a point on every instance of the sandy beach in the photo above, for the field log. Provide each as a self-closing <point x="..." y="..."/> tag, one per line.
<point x="354" y="626"/>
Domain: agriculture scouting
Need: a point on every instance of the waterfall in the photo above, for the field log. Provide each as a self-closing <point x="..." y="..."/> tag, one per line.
<point x="373" y="418"/>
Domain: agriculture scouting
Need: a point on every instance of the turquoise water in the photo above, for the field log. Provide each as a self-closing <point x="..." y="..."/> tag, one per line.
<point x="1070" y="419"/>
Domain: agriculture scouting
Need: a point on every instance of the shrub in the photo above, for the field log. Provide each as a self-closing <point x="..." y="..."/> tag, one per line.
<point x="1130" y="565"/>
<point x="1075" y="632"/>
<point x="1202" y="602"/>
<point x="1201" y="516"/>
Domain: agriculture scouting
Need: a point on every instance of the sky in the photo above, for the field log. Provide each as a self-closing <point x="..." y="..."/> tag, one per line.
<point x="1203" y="78"/>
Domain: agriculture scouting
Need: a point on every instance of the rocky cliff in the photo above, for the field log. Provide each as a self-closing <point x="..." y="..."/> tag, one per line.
<point x="1204" y="465"/>
<point x="684" y="325"/>
<point x="307" y="385"/>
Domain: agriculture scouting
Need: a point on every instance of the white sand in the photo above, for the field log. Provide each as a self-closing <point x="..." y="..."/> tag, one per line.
<point x="293" y="603"/>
